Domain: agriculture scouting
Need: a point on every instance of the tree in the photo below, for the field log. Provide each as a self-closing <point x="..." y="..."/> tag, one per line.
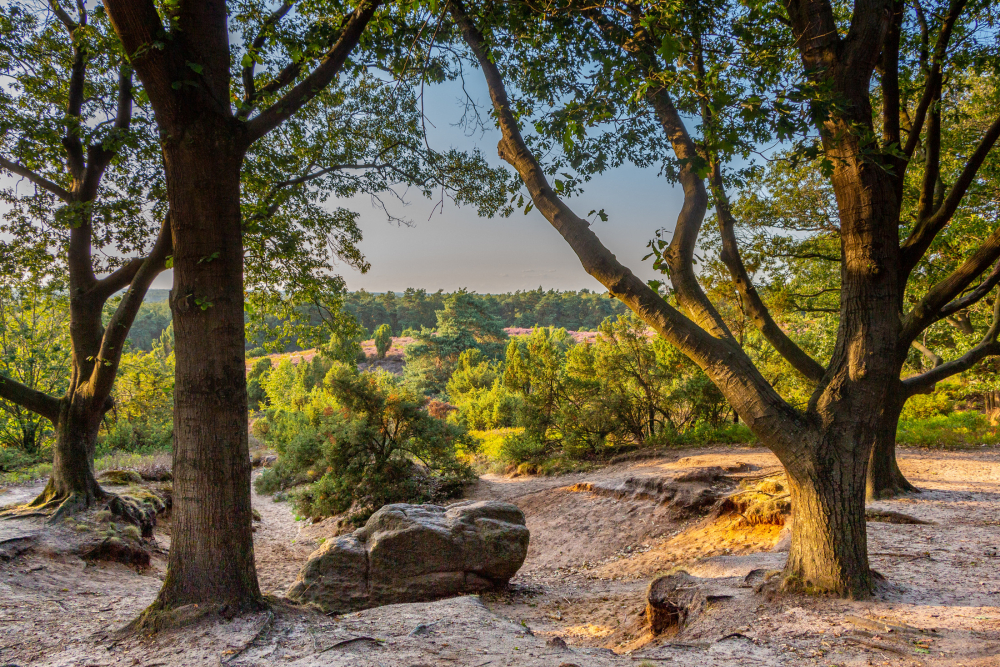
<point x="789" y="214"/>
<point x="383" y="340"/>
<point x="70" y="132"/>
<point x="283" y="63"/>
<point x="752" y="74"/>
<point x="464" y="323"/>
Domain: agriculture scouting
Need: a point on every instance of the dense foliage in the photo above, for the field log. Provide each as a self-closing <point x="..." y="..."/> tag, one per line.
<point x="590" y="399"/>
<point x="356" y="441"/>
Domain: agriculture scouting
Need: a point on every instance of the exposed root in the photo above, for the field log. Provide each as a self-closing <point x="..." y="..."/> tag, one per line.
<point x="793" y="583"/>
<point x="899" y="486"/>
<point x="763" y="503"/>
<point x="886" y="516"/>
<point x="136" y="506"/>
<point x="158" y="616"/>
<point x="53" y="506"/>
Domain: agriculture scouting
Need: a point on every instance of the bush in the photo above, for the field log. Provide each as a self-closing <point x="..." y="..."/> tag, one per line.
<point x="136" y="437"/>
<point x="13" y="458"/>
<point x="383" y="340"/>
<point x="363" y="441"/>
<point x="524" y="447"/>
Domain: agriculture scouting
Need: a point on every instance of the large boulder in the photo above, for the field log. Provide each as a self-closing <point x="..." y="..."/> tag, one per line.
<point x="416" y="553"/>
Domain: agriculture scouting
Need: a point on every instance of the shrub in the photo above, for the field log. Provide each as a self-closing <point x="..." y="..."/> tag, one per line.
<point x="383" y="340"/>
<point x="524" y="447"/>
<point x="136" y="436"/>
<point x="256" y="396"/>
<point x="373" y="443"/>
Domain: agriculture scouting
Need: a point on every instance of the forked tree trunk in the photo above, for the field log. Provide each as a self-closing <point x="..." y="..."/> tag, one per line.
<point x="211" y="551"/>
<point x="829" y="549"/>
<point x="885" y="480"/>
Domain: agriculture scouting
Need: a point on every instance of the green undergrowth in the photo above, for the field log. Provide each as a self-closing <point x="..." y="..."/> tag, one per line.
<point x="514" y="451"/>
<point x="20" y="469"/>
<point x="956" y="430"/>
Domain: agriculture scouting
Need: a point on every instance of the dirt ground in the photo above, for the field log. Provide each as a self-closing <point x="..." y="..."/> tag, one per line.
<point x="590" y="560"/>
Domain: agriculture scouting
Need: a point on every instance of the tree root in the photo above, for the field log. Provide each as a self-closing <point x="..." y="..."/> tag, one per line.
<point x="900" y="486"/>
<point x="158" y="616"/>
<point x="52" y="506"/>
<point x="139" y="509"/>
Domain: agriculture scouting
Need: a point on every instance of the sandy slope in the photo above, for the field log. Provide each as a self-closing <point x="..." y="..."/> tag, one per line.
<point x="590" y="560"/>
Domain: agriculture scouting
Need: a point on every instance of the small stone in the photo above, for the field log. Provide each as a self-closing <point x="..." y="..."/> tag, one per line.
<point x="557" y="642"/>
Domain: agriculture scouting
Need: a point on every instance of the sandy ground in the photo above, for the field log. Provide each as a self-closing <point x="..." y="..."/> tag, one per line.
<point x="590" y="560"/>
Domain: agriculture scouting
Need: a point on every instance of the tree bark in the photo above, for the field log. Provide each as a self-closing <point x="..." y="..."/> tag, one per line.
<point x="829" y="550"/>
<point x="211" y="554"/>
<point x="72" y="484"/>
<point x="885" y="480"/>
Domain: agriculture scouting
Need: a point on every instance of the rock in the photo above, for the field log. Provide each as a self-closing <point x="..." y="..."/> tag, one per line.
<point x="416" y="553"/>
<point x="684" y="494"/>
<point x="269" y="460"/>
<point x="557" y="642"/>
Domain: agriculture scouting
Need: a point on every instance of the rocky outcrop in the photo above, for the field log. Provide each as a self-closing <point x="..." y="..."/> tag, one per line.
<point x="686" y="494"/>
<point x="416" y="553"/>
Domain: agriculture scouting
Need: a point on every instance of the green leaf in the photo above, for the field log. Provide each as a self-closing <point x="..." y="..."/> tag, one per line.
<point x="195" y="67"/>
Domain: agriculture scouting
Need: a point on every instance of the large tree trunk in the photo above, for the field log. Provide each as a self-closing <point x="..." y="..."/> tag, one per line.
<point x="885" y="480"/>
<point x="211" y="553"/>
<point x="829" y="550"/>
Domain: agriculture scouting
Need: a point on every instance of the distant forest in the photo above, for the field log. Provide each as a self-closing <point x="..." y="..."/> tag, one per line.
<point x="415" y="309"/>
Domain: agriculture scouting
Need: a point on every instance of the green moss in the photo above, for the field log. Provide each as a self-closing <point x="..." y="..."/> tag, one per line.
<point x="120" y="477"/>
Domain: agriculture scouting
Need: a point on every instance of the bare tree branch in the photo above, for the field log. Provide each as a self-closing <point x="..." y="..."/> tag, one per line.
<point x="249" y="87"/>
<point x="726" y="363"/>
<point x="37" y="179"/>
<point x="759" y="313"/>
<point x="138" y="26"/>
<point x="974" y="296"/>
<point x="923" y="234"/>
<point x="98" y="157"/>
<point x="986" y="348"/>
<point x="113" y="342"/>
<point x="932" y="86"/>
<point x="929" y="309"/>
<point x="934" y="358"/>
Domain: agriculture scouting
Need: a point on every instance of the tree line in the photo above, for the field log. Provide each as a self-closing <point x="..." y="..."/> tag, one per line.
<point x="411" y="311"/>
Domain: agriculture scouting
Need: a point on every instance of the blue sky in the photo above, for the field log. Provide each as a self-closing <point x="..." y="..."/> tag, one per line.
<point x="456" y="248"/>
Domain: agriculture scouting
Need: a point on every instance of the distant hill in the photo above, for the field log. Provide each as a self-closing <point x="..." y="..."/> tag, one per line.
<point x="156" y="295"/>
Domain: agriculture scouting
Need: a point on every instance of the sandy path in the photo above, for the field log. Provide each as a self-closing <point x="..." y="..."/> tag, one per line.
<point x="590" y="560"/>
